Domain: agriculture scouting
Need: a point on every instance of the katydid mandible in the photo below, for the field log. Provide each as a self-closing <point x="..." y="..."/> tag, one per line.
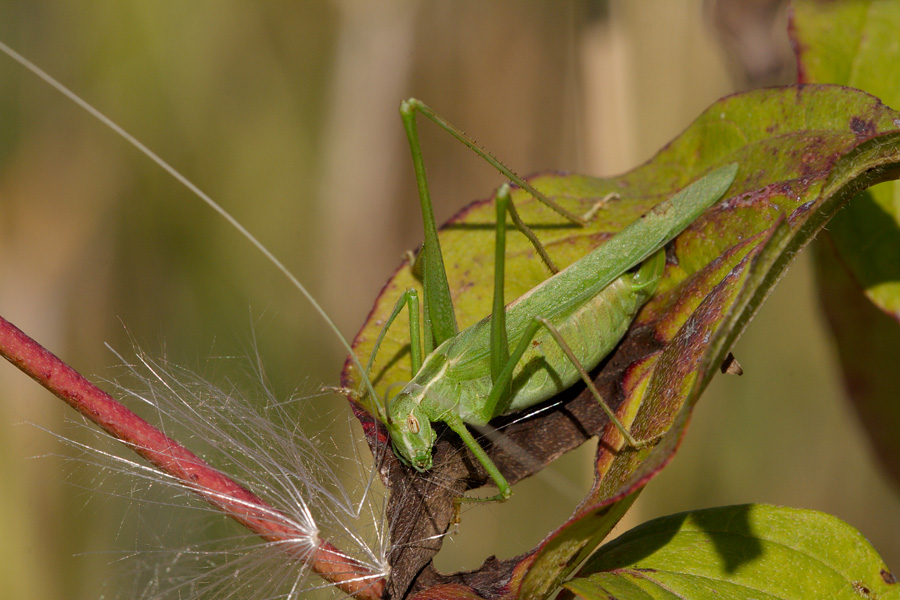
<point x="540" y="344"/>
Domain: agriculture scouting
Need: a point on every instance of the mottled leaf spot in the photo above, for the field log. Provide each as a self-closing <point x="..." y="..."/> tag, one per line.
<point x="861" y="127"/>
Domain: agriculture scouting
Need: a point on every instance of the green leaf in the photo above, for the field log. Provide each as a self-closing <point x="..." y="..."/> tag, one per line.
<point x="856" y="43"/>
<point x="749" y="552"/>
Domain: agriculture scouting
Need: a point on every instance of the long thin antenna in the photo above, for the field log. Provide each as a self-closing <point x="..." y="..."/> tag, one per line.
<point x="197" y="192"/>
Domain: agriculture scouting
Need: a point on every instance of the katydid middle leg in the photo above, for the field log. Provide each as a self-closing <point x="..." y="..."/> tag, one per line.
<point x="585" y="376"/>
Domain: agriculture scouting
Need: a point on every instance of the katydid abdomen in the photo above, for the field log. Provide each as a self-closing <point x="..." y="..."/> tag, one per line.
<point x="592" y="329"/>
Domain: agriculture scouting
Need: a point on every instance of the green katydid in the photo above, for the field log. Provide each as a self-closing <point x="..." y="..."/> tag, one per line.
<point x="540" y="344"/>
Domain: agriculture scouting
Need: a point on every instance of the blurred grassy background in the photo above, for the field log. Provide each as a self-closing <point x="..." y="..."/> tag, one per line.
<point x="286" y="113"/>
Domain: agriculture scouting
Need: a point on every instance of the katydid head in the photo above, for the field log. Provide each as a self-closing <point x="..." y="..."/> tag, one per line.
<point x="410" y="430"/>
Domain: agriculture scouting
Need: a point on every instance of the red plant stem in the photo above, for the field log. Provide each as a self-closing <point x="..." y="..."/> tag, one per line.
<point x="174" y="459"/>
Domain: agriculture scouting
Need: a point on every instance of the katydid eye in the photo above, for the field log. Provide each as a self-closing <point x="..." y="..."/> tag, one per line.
<point x="412" y="423"/>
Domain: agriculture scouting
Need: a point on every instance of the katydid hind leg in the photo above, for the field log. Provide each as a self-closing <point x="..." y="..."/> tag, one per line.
<point x="440" y="319"/>
<point x="410" y="107"/>
<point x="413" y="106"/>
